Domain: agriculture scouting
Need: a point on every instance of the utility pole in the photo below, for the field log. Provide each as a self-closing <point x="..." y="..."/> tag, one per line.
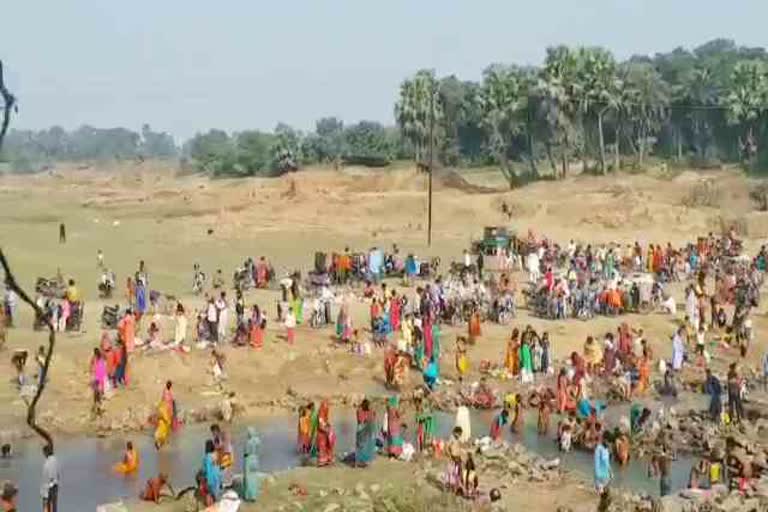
<point x="431" y="162"/>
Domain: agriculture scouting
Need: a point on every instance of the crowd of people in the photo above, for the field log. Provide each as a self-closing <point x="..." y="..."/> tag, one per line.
<point x="406" y="327"/>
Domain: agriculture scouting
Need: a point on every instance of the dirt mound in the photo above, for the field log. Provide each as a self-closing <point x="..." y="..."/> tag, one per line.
<point x="448" y="179"/>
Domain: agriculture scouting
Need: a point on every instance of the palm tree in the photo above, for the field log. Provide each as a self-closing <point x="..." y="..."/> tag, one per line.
<point x="419" y="106"/>
<point x="556" y="92"/>
<point x="746" y="99"/>
<point x="646" y="100"/>
<point x="502" y="99"/>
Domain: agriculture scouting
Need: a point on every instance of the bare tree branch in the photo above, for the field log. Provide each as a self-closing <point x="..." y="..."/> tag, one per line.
<point x="10" y="282"/>
<point x="9" y="102"/>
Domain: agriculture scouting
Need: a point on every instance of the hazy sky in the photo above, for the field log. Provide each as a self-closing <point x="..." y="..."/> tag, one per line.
<point x="186" y="66"/>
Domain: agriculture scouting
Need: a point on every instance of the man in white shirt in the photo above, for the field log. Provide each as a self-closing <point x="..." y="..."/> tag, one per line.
<point x="212" y="317"/>
<point x="223" y="316"/>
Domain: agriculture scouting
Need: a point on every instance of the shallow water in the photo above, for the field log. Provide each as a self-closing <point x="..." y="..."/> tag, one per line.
<point x="88" y="479"/>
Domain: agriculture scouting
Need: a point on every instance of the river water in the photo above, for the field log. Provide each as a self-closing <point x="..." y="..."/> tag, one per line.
<point x="88" y="480"/>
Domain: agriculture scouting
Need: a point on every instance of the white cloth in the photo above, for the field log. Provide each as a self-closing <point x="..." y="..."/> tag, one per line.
<point x="180" y="332"/>
<point x="462" y="420"/>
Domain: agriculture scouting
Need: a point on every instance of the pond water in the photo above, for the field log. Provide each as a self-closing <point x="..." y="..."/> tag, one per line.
<point x="88" y="480"/>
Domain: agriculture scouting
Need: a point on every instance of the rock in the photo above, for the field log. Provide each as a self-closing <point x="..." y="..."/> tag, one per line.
<point x="732" y="503"/>
<point x="375" y="488"/>
<point x="671" y="504"/>
<point x="331" y="507"/>
<point x="515" y="468"/>
<point x="548" y="465"/>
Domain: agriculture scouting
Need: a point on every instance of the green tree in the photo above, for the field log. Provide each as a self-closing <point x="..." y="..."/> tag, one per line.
<point x="503" y="101"/>
<point x="646" y="99"/>
<point x="419" y="111"/>
<point x="746" y="100"/>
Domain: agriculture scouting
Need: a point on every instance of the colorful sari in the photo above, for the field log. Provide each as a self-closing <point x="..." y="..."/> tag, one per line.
<point x="304" y="437"/>
<point x="512" y="357"/>
<point x="170" y="402"/>
<point x="426" y="430"/>
<point x="130" y="462"/>
<point x="163" y="428"/>
<point x="365" y="437"/>
<point x="326" y="439"/>
<point x="394" y="313"/>
<point x="428" y="340"/>
<point x="436" y="333"/>
<point x="212" y="474"/>
<point x="394" y="436"/>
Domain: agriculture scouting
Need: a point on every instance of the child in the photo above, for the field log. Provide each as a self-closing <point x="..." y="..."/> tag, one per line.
<point x="290" y="326"/>
<point x="217" y="366"/>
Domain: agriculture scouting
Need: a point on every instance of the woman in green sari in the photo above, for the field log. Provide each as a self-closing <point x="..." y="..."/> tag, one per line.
<point x="427" y="426"/>
<point x="365" y="437"/>
<point x="252" y="476"/>
<point x="436" y="333"/>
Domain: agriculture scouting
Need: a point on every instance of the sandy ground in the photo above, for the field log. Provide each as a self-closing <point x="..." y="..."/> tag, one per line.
<point x="146" y="213"/>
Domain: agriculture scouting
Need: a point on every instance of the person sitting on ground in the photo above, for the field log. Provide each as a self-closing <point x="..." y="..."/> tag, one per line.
<point x="153" y="490"/>
<point x="130" y="463"/>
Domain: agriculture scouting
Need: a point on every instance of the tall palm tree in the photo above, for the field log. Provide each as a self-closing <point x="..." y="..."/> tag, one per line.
<point x="502" y="100"/>
<point x="746" y="99"/>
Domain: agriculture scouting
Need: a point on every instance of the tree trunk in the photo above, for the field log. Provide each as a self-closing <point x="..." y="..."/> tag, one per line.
<point x="641" y="153"/>
<point x="617" y="150"/>
<point x="9" y="103"/>
<point x="551" y="159"/>
<point x="529" y="133"/>
<point x="602" y="140"/>
<point x="565" y="158"/>
<point x="679" y="141"/>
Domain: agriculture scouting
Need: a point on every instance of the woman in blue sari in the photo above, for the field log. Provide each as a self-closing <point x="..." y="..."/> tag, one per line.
<point x="211" y="470"/>
<point x="365" y="438"/>
<point x="252" y="477"/>
<point x="431" y="374"/>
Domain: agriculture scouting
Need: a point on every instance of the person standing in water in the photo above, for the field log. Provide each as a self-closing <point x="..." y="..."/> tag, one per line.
<point x="62" y="233"/>
<point x="603" y="471"/>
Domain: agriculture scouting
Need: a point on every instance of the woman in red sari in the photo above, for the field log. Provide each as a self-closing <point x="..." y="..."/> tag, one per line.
<point x="326" y="439"/>
<point x="428" y="344"/>
<point x="394" y="311"/>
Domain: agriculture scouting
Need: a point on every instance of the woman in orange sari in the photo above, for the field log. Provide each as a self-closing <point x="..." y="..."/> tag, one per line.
<point x="130" y="463"/>
<point x="644" y="375"/>
<point x="474" y="326"/>
<point x="256" y="334"/>
<point x="304" y="438"/>
<point x="326" y="439"/>
<point x="512" y="357"/>
<point x="565" y="402"/>
<point x="658" y="259"/>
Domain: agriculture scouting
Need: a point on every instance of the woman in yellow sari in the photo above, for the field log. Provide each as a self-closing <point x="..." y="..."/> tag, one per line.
<point x="130" y="462"/>
<point x="512" y="357"/>
<point x="462" y="362"/>
<point x="163" y="429"/>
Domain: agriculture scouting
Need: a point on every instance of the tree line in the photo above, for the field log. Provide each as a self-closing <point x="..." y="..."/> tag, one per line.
<point x="581" y="108"/>
<point x="30" y="150"/>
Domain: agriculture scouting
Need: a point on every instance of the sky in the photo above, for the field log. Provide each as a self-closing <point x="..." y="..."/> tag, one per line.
<point x="187" y="66"/>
